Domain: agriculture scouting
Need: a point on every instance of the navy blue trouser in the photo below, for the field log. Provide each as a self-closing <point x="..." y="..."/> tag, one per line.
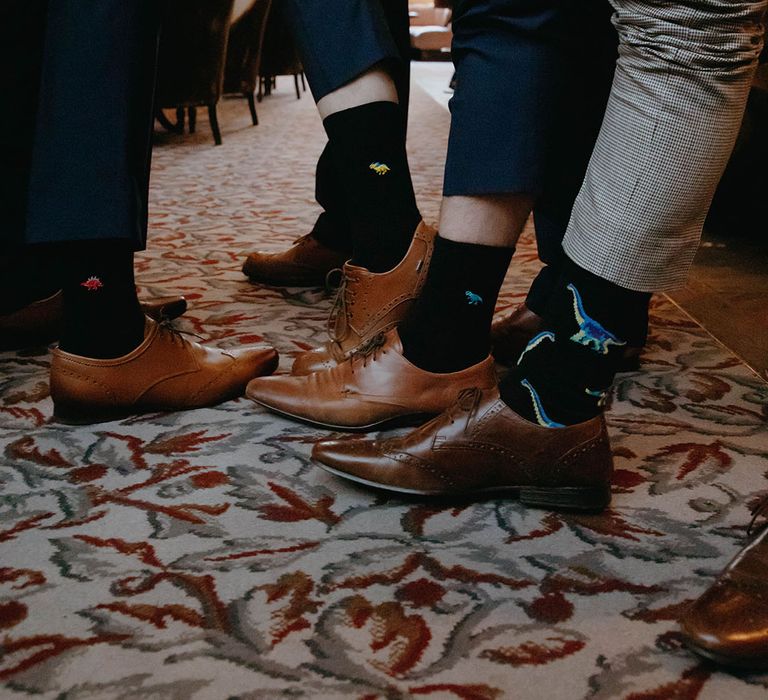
<point x="75" y="139"/>
<point x="337" y="42"/>
<point x="532" y="83"/>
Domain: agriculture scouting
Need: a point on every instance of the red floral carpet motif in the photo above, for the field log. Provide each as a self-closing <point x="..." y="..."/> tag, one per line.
<point x="202" y="555"/>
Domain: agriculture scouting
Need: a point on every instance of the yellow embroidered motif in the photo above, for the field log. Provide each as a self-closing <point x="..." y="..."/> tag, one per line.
<point x="380" y="168"/>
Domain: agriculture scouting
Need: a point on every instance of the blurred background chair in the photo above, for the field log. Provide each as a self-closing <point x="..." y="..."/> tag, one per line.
<point x="244" y="52"/>
<point x="193" y="49"/>
<point x="431" y="33"/>
<point x="280" y="55"/>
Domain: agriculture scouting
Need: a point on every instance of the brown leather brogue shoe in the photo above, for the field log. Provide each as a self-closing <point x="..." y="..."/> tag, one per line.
<point x="480" y="446"/>
<point x="728" y="624"/>
<point x="374" y="387"/>
<point x="166" y="372"/>
<point x="510" y="335"/>
<point x="305" y="264"/>
<point x="38" y="323"/>
<point x="164" y="308"/>
<point x="41" y="322"/>
<point x="370" y="303"/>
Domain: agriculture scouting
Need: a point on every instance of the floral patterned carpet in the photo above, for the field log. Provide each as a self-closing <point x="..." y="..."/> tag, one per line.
<point x="202" y="555"/>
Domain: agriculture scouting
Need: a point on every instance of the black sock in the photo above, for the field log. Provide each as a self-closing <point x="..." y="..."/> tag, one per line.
<point x="27" y="275"/>
<point x="333" y="233"/>
<point x="563" y="376"/>
<point x="448" y="328"/>
<point x="368" y="147"/>
<point x="102" y="314"/>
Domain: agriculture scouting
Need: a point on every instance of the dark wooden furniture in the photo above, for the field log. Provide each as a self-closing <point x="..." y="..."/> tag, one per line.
<point x="193" y="49"/>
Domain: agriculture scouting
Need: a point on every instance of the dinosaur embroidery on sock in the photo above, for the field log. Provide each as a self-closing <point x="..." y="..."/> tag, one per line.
<point x="601" y="396"/>
<point x="473" y="299"/>
<point x="591" y="334"/>
<point x="92" y="284"/>
<point x="541" y="416"/>
<point x="379" y="168"/>
<point x="535" y="342"/>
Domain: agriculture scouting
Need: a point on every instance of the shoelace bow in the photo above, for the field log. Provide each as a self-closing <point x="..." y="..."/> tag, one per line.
<point x="760" y="510"/>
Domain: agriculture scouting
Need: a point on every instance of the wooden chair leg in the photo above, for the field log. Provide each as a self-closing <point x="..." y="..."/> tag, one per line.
<point x="214" y="119"/>
<point x="192" y="119"/>
<point x="296" y="85"/>
<point x="252" y="106"/>
<point x="303" y="82"/>
<point x="180" y="119"/>
<point x="166" y="123"/>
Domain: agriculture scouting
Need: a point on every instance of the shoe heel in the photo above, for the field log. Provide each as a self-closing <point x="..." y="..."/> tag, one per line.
<point x="585" y="498"/>
<point x="73" y="414"/>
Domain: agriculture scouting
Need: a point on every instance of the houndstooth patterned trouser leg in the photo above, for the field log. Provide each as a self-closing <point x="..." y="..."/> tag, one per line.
<point x="677" y="102"/>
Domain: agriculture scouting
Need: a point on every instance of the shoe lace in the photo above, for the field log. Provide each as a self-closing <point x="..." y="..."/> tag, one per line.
<point x="370" y="350"/>
<point x="468" y="401"/>
<point x="176" y="334"/>
<point x="760" y="510"/>
<point x="345" y="298"/>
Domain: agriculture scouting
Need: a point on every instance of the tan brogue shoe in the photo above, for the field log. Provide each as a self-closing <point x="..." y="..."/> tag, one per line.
<point x="370" y="303"/>
<point x="728" y="624"/>
<point x="166" y="372"/>
<point x="480" y="446"/>
<point x="305" y="264"/>
<point x="510" y="335"/>
<point x="375" y="386"/>
<point x="41" y="322"/>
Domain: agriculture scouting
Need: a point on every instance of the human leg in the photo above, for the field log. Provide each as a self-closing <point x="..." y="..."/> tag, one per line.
<point x="674" y="58"/>
<point x="367" y="86"/>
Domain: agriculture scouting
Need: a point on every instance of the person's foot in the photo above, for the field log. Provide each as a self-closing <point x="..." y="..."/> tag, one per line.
<point x="166" y="372"/>
<point x="510" y="335"/>
<point x="728" y="624"/>
<point x="376" y="386"/>
<point x="479" y="446"/>
<point x="40" y="322"/>
<point x="370" y="303"/>
<point x="305" y="264"/>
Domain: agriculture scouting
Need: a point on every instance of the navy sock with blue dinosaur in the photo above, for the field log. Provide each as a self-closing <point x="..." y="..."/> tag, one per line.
<point x="448" y="329"/>
<point x="566" y="371"/>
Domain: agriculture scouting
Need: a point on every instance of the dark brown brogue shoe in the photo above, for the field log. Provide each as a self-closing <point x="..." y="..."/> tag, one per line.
<point x="510" y="335"/>
<point x="164" y="308"/>
<point x="370" y="303"/>
<point x="376" y="386"/>
<point x="305" y="264"/>
<point x="728" y="624"/>
<point x="166" y="372"/>
<point x="480" y="446"/>
<point x="41" y="322"/>
<point x="38" y="323"/>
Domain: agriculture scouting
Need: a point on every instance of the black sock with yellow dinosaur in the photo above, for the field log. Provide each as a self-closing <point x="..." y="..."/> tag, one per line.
<point x="368" y="147"/>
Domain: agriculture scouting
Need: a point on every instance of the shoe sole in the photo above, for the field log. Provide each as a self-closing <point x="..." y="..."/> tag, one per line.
<point x="583" y="499"/>
<point x="753" y="665"/>
<point x="407" y="421"/>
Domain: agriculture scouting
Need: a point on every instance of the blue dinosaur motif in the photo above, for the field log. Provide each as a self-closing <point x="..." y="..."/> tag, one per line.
<point x="591" y="334"/>
<point x="473" y="299"/>
<point x="538" y="408"/>
<point x="535" y="342"/>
